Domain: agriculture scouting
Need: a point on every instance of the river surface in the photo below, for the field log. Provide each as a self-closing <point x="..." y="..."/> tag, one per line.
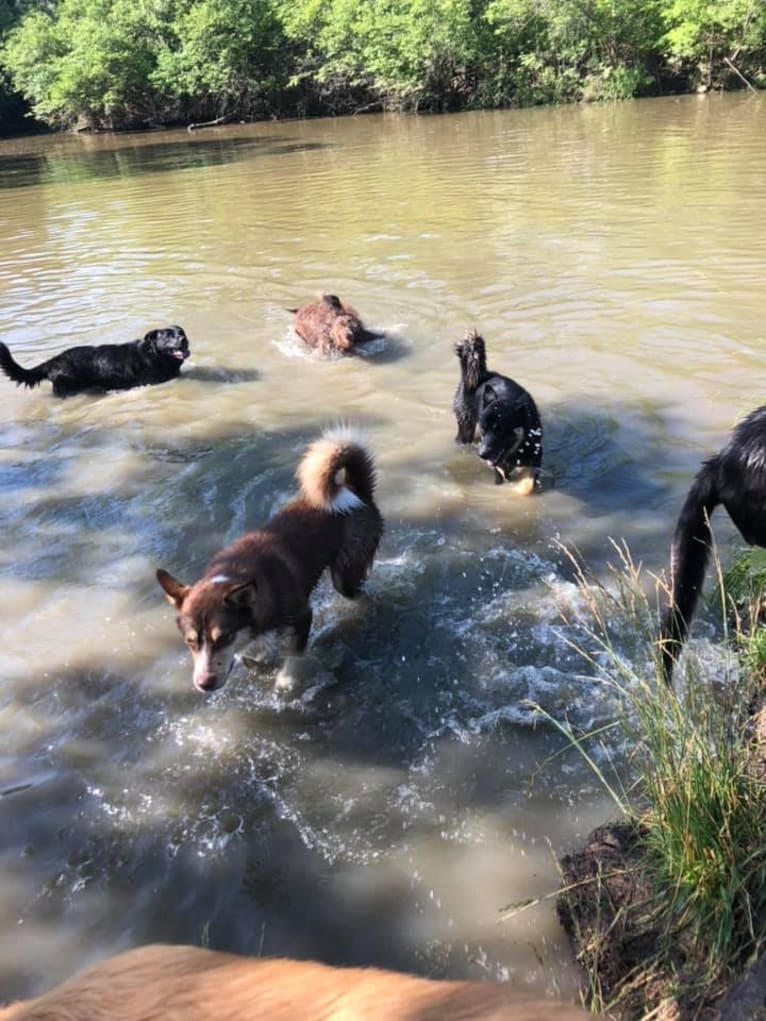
<point x="613" y="257"/>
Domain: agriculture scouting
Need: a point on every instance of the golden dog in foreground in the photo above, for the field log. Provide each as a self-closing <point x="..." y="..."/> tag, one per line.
<point x="177" y="983"/>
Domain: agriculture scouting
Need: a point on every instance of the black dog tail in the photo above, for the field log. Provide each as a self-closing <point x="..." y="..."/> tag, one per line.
<point x="16" y="372"/>
<point x="473" y="360"/>
<point x="337" y="473"/>
<point x="689" y="554"/>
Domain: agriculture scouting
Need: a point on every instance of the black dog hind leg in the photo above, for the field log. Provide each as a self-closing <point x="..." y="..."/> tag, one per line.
<point x="688" y="559"/>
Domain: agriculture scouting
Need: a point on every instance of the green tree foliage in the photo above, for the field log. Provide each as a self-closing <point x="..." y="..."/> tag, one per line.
<point x="226" y="56"/>
<point x="115" y="63"/>
<point x="91" y="59"/>
<point x="408" y="53"/>
<point x="717" y="39"/>
<point x="12" y="105"/>
<point x="563" y="50"/>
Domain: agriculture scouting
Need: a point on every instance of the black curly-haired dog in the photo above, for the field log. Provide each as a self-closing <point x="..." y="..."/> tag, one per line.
<point x="736" y="478"/>
<point x="510" y="430"/>
<point x="155" y="358"/>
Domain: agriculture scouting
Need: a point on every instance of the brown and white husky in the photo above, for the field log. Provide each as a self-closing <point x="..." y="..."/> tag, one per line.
<point x="263" y="580"/>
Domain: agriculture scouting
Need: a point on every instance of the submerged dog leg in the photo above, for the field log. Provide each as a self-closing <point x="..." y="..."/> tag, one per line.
<point x="258" y="652"/>
<point x="297" y="639"/>
<point x="295" y="673"/>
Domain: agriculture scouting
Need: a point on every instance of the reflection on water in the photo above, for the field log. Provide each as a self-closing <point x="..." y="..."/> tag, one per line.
<point x="51" y="165"/>
<point x="612" y="258"/>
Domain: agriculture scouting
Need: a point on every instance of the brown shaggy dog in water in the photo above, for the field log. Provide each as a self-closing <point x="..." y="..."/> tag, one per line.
<point x="176" y="983"/>
<point x="329" y="326"/>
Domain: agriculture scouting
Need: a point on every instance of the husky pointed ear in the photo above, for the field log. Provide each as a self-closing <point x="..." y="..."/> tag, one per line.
<point x="242" y="597"/>
<point x="175" y="590"/>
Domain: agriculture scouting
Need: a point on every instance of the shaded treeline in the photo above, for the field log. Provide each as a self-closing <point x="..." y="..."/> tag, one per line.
<point x="117" y="63"/>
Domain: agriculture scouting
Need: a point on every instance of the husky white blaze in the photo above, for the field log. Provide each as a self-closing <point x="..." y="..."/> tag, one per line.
<point x="263" y="581"/>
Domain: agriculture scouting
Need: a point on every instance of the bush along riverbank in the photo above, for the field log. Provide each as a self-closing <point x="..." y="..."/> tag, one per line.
<point x="111" y="64"/>
<point x="666" y="906"/>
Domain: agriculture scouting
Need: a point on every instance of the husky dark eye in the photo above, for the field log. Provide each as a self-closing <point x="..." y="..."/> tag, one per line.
<point x="225" y="639"/>
<point x="192" y="641"/>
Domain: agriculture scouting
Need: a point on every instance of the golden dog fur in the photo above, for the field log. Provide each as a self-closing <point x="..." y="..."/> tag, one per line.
<point x="329" y="326"/>
<point x="177" y="983"/>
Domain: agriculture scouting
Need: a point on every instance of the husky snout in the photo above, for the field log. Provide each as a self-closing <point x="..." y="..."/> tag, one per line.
<point x="211" y="671"/>
<point x="205" y="682"/>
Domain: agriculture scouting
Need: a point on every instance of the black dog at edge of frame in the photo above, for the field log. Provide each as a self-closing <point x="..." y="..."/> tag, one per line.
<point x="736" y="478"/>
<point x="510" y="430"/>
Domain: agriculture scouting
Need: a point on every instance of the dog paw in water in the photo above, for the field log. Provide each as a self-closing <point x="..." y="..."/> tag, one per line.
<point x="295" y="673"/>
<point x="303" y="676"/>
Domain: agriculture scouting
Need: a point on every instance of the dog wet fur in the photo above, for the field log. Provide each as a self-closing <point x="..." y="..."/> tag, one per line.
<point x="156" y="358"/>
<point x="330" y="327"/>
<point x="262" y="582"/>
<point x="505" y="415"/>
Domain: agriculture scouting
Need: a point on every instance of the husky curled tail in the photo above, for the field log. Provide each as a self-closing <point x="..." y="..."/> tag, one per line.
<point x="263" y="581"/>
<point x="735" y="478"/>
<point x="337" y="476"/>
<point x="337" y="473"/>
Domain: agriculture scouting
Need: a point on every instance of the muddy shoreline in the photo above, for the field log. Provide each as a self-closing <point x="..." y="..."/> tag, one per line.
<point x="612" y="922"/>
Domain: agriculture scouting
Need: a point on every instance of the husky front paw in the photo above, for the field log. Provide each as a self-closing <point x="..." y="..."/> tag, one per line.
<point x="300" y="672"/>
<point x="293" y="673"/>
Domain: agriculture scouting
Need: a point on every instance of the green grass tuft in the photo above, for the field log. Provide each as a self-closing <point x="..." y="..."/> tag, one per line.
<point x="691" y="781"/>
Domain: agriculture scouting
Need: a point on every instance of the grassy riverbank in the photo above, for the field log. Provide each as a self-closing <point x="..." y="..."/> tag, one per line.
<point x="666" y="906"/>
<point x="114" y="64"/>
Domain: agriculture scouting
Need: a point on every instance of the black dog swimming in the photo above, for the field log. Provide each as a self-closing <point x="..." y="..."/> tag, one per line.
<point x="510" y="430"/>
<point x="155" y="358"/>
<point x="736" y="478"/>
